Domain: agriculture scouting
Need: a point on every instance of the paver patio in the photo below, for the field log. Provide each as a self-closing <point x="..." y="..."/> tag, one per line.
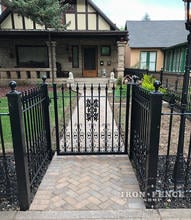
<point x="88" y="183"/>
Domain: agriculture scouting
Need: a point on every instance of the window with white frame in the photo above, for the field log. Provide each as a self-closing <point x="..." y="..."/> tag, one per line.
<point x="148" y="60"/>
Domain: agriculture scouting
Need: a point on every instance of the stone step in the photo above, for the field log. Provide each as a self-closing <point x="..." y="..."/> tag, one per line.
<point x="94" y="81"/>
<point x="88" y="215"/>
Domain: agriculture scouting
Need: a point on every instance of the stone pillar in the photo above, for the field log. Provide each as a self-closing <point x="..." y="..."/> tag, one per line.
<point x="52" y="58"/>
<point x="121" y="58"/>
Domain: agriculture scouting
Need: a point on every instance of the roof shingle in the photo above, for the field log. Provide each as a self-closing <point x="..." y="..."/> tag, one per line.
<point x="156" y="34"/>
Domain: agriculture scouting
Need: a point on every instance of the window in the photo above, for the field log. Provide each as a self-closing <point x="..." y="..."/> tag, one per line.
<point x="105" y="51"/>
<point x="75" y="56"/>
<point x="32" y="56"/>
<point x="148" y="60"/>
<point x="175" y="59"/>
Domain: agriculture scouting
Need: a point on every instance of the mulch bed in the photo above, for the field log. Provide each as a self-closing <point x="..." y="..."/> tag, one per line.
<point x="8" y="184"/>
<point x="169" y="196"/>
<point x="5" y="90"/>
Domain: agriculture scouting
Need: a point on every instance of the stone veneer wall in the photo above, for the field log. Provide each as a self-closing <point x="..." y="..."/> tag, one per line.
<point x="64" y="55"/>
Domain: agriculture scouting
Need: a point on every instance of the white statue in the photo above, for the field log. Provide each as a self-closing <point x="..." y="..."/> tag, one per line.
<point x="71" y="76"/>
<point x="112" y="76"/>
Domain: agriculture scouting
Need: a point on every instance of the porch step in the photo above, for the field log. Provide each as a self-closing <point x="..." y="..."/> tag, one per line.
<point x="94" y="81"/>
<point x="102" y="81"/>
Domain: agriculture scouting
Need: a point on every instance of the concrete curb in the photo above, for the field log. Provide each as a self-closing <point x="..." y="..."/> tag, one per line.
<point x="145" y="214"/>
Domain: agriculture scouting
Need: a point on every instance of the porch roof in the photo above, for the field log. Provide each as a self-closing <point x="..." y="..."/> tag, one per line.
<point x="119" y="35"/>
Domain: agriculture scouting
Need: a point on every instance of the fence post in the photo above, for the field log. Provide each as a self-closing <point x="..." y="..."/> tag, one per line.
<point x="153" y="146"/>
<point x="161" y="76"/>
<point x="44" y="88"/>
<point x="21" y="163"/>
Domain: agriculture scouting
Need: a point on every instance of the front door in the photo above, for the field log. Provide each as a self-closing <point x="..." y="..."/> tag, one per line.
<point x="90" y="61"/>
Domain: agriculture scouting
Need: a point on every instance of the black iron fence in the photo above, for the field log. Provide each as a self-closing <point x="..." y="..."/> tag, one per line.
<point x="94" y="119"/>
<point x="144" y="142"/>
<point x="160" y="150"/>
<point x="30" y="126"/>
<point x="174" y="167"/>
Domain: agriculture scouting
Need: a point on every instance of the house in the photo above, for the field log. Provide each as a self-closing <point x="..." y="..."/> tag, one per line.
<point x="154" y="45"/>
<point x="90" y="47"/>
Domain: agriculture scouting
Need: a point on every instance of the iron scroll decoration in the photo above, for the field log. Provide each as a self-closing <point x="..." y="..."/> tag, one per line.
<point x="92" y="110"/>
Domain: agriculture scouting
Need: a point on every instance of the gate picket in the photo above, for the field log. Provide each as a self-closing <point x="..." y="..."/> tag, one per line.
<point x="95" y="125"/>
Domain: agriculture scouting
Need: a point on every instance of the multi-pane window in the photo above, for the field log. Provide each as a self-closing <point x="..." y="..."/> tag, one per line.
<point x="32" y="56"/>
<point x="148" y="60"/>
<point x="175" y="59"/>
<point x="75" y="56"/>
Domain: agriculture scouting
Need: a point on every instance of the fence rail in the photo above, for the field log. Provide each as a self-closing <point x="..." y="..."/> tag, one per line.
<point x="30" y="125"/>
<point x="144" y="142"/>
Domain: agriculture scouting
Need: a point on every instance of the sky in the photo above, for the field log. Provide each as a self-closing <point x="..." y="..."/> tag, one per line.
<point x="121" y="10"/>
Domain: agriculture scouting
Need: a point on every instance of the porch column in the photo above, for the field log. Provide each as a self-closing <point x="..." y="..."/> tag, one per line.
<point x="121" y="58"/>
<point x="52" y="58"/>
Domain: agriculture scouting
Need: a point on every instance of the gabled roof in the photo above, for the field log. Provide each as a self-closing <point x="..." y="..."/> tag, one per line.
<point x="113" y="26"/>
<point x="156" y="34"/>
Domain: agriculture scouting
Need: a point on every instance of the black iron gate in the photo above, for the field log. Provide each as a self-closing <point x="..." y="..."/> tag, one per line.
<point x="91" y="119"/>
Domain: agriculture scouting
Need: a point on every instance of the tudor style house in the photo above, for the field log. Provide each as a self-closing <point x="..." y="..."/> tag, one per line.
<point x="91" y="45"/>
<point x="154" y="45"/>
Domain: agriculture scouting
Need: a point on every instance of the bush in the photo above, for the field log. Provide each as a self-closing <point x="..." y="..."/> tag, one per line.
<point x="119" y="81"/>
<point x="148" y="83"/>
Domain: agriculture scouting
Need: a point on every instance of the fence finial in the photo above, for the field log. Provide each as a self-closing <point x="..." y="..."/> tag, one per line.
<point x="135" y="78"/>
<point x="157" y="85"/>
<point x="44" y="79"/>
<point x="13" y="86"/>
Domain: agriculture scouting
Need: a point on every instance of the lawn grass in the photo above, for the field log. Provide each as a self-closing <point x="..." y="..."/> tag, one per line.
<point x="5" y="123"/>
<point x="5" y="120"/>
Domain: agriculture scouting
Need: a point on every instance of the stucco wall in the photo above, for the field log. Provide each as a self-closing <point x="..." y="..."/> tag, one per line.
<point x="132" y="58"/>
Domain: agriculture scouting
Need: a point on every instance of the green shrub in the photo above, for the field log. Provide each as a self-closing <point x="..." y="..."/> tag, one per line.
<point x="148" y="83"/>
<point x="119" y="81"/>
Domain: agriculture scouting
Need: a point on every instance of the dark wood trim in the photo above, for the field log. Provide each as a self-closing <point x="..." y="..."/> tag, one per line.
<point x="12" y="20"/>
<point x="23" y="21"/>
<point x="20" y="34"/>
<point x="34" y="25"/>
<point x="97" y="21"/>
<point x="76" y="20"/>
<point x="85" y="12"/>
<point x="86" y="9"/>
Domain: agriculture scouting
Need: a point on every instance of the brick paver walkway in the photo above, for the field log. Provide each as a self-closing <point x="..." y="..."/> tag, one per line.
<point x="87" y="183"/>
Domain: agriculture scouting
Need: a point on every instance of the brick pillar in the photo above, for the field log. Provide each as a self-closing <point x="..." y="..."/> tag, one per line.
<point x="52" y="58"/>
<point x="121" y="58"/>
